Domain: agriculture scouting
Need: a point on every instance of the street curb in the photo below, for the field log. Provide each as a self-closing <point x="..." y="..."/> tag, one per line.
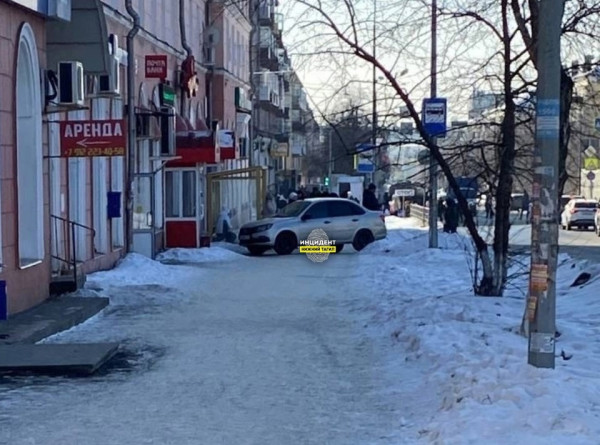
<point x="49" y="318"/>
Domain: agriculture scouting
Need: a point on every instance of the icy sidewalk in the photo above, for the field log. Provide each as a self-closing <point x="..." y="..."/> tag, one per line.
<point x="472" y="361"/>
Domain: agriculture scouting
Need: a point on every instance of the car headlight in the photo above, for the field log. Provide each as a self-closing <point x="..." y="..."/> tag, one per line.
<point x="263" y="227"/>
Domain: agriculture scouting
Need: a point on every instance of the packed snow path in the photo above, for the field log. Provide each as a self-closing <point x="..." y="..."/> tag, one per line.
<point x="245" y="351"/>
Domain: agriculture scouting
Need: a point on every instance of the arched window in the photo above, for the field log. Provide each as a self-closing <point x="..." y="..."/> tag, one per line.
<point x="30" y="193"/>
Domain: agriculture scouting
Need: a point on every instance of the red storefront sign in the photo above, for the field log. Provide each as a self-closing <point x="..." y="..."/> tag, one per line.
<point x="156" y="67"/>
<point x="93" y="138"/>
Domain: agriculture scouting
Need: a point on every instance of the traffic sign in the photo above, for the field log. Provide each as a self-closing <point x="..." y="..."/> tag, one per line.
<point x="591" y="176"/>
<point x="93" y="138"/>
<point x="435" y="116"/>
<point x="591" y="163"/>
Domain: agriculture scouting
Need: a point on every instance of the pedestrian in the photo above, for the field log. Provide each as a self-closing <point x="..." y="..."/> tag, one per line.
<point x="370" y="199"/>
<point x="293" y="197"/>
<point x="270" y="205"/>
<point x="386" y="202"/>
<point x="451" y="216"/>
<point x="223" y="229"/>
<point x="524" y="205"/>
<point x="489" y="207"/>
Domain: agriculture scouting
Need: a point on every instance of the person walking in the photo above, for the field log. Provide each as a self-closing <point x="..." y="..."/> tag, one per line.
<point x="370" y="200"/>
<point x="524" y="206"/>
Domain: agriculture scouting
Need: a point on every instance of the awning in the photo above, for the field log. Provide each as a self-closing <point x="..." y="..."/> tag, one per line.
<point x="84" y="39"/>
<point x="194" y="146"/>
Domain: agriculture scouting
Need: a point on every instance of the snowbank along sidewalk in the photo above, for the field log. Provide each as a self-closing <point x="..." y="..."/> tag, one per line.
<point x="474" y="363"/>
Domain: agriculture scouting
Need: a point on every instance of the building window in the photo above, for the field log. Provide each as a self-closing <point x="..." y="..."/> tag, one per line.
<point x="30" y="193"/>
<point x="180" y="193"/>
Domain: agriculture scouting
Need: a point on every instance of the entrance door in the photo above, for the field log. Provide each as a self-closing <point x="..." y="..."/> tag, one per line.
<point x="182" y="211"/>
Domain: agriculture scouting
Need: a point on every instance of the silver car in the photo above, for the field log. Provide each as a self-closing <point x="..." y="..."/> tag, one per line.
<point x="343" y="220"/>
<point x="579" y="213"/>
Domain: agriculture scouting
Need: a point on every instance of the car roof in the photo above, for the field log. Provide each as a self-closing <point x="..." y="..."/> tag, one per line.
<point x="328" y="198"/>
<point x="582" y="200"/>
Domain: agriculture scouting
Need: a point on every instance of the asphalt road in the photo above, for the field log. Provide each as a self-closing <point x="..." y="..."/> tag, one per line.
<point x="580" y="244"/>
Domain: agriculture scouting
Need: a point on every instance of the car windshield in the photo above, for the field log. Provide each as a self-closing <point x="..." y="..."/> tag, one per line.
<point x="292" y="209"/>
<point x="586" y="205"/>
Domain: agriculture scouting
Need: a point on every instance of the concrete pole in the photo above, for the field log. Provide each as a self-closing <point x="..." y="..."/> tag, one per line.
<point x="374" y="130"/>
<point x="541" y="304"/>
<point x="330" y="163"/>
<point x="433" y="213"/>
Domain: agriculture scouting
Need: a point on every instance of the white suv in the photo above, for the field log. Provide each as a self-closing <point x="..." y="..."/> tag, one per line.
<point x="580" y="213"/>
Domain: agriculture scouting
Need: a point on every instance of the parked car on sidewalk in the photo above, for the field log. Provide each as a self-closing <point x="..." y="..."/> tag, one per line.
<point x="579" y="213"/>
<point x="344" y="221"/>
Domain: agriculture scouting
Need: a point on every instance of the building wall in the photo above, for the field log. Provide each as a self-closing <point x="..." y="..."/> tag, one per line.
<point x="25" y="287"/>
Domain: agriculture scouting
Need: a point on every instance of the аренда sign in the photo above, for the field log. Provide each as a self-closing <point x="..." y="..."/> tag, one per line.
<point x="93" y="138"/>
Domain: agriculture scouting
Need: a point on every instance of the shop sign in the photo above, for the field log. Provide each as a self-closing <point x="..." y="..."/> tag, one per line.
<point x="93" y="138"/>
<point x="156" y="66"/>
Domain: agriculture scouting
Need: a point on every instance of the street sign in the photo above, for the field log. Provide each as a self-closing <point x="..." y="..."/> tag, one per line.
<point x="404" y="193"/>
<point x="435" y="116"/>
<point x="365" y="166"/>
<point x="591" y="176"/>
<point x="156" y="66"/>
<point x="93" y="138"/>
<point x="591" y="163"/>
<point x="597" y="123"/>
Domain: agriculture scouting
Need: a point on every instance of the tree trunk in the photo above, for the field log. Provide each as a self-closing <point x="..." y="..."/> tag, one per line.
<point x="506" y="155"/>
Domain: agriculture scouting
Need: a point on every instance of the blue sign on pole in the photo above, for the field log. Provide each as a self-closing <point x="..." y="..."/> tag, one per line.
<point x="366" y="167"/>
<point x="435" y="116"/>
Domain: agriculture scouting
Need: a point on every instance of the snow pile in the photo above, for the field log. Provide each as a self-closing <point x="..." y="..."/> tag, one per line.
<point x="135" y="269"/>
<point x="470" y="350"/>
<point x="202" y="255"/>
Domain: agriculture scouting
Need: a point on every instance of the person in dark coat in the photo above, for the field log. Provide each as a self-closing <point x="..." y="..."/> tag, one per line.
<point x="386" y="201"/>
<point x="524" y="206"/>
<point x="369" y="199"/>
<point x="451" y="216"/>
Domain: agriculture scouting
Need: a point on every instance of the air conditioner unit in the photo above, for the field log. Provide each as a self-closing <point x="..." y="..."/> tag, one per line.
<point x="167" y="131"/>
<point x="109" y="85"/>
<point x="70" y="83"/>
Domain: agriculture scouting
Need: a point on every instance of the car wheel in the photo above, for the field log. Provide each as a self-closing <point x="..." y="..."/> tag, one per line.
<point x="285" y="243"/>
<point x="257" y="250"/>
<point x="339" y="248"/>
<point x="362" y="239"/>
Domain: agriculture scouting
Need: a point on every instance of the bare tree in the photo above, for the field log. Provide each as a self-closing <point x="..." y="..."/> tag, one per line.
<point x="349" y="31"/>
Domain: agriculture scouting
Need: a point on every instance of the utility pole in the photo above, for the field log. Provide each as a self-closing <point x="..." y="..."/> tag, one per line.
<point x="433" y="216"/>
<point x="330" y="163"/>
<point x="374" y="133"/>
<point x="541" y="303"/>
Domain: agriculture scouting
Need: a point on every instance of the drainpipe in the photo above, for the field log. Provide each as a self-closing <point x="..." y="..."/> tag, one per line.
<point x="185" y="45"/>
<point x="131" y="129"/>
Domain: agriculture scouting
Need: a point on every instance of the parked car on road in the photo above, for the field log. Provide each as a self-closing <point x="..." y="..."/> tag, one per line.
<point x="343" y="220"/>
<point x="597" y="221"/>
<point x="579" y="213"/>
